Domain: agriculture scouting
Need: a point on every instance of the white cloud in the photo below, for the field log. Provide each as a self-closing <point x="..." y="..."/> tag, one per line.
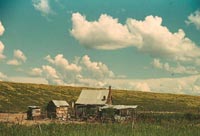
<point x="63" y="63"/>
<point x="18" y="58"/>
<point x="141" y="87"/>
<point x="97" y="74"/>
<point x="1" y="44"/>
<point x="68" y="71"/>
<point x="1" y="51"/>
<point x="51" y="75"/>
<point x="14" y="62"/>
<point x="2" y="29"/>
<point x="48" y="73"/>
<point x="183" y="85"/>
<point x="106" y="33"/>
<point x="35" y="72"/>
<point x="3" y="77"/>
<point x="42" y="6"/>
<point x="160" y="42"/>
<point x="18" y="54"/>
<point x="148" y="36"/>
<point x="179" y="69"/>
<point x="157" y="64"/>
<point x="36" y="80"/>
<point x="194" y="18"/>
<point x="96" y="70"/>
<point x="82" y="69"/>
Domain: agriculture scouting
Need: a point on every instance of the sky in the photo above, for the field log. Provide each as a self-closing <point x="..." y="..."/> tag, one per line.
<point x="151" y="46"/>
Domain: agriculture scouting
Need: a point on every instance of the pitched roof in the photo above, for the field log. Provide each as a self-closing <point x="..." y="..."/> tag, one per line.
<point x="93" y="97"/>
<point x="60" y="103"/>
<point x="34" y="107"/>
<point x="119" y="107"/>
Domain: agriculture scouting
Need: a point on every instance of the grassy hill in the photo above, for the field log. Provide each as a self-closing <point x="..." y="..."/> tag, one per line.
<point x="15" y="97"/>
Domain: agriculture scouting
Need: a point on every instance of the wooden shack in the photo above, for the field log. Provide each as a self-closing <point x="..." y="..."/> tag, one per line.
<point x="118" y="113"/>
<point x="57" y="109"/>
<point x="89" y="102"/>
<point x="33" y="112"/>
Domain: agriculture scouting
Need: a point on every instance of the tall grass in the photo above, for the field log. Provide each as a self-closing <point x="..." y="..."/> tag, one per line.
<point x="141" y="129"/>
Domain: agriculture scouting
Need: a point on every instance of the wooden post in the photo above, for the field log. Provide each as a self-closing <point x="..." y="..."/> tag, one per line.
<point x="40" y="128"/>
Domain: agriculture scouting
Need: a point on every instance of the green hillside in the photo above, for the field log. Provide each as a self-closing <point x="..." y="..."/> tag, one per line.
<point x="15" y="97"/>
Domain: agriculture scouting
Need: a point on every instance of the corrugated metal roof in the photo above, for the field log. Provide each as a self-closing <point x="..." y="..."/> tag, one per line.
<point x="59" y="103"/>
<point x="93" y="97"/>
<point x="119" y="107"/>
<point x="34" y="107"/>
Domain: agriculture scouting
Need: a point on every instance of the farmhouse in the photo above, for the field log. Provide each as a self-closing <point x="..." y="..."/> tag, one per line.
<point x="57" y="109"/>
<point x="89" y="102"/>
<point x="33" y="112"/>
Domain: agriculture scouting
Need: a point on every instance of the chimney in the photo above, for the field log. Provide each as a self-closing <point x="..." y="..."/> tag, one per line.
<point x="109" y="101"/>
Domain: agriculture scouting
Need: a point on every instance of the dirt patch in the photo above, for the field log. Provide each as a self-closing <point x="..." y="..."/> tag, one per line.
<point x="12" y="117"/>
<point x="21" y="118"/>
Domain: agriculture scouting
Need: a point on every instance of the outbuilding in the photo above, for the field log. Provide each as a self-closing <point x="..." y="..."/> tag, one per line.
<point x="33" y="112"/>
<point x="118" y="112"/>
<point x="57" y="109"/>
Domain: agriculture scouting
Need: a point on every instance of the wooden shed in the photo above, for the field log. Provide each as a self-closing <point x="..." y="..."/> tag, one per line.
<point x="57" y="109"/>
<point x="33" y="112"/>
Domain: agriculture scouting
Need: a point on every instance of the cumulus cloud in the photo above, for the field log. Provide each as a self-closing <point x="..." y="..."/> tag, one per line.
<point x="96" y="70"/>
<point x="36" y="72"/>
<point x="179" y="69"/>
<point x="142" y="87"/>
<point x="97" y="74"/>
<point x="3" y="77"/>
<point x="20" y="79"/>
<point x="51" y="75"/>
<point x="2" y="29"/>
<point x="181" y="85"/>
<point x="1" y="44"/>
<point x="82" y="72"/>
<point x="18" y="58"/>
<point x="106" y="33"/>
<point x="1" y="51"/>
<point x="48" y="74"/>
<point x="18" y="54"/>
<point x="194" y="18"/>
<point x="184" y="85"/>
<point x="14" y="62"/>
<point x="148" y="36"/>
<point x="157" y="64"/>
<point x="42" y="6"/>
<point x="69" y="71"/>
<point x="63" y="63"/>
<point x="158" y="41"/>
<point x="59" y="75"/>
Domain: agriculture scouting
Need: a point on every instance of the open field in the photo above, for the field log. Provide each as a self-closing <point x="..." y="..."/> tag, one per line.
<point x="15" y="97"/>
<point x="158" y="114"/>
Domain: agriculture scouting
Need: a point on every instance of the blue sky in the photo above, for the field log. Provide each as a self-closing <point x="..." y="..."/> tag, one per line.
<point x="137" y="45"/>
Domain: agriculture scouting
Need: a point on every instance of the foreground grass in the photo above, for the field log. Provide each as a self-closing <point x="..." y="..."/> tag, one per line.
<point x="140" y="129"/>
